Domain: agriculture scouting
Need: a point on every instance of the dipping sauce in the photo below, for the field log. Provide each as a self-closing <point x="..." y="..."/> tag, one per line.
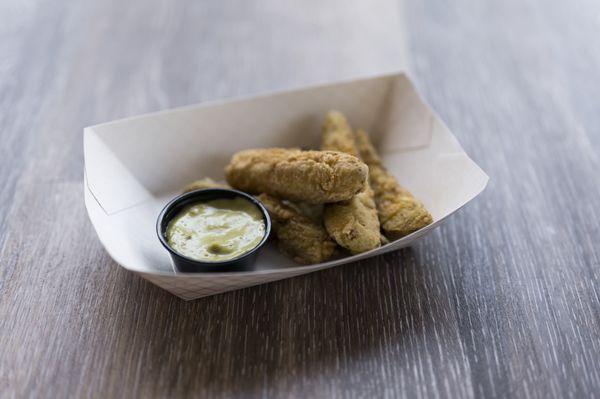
<point x="216" y="230"/>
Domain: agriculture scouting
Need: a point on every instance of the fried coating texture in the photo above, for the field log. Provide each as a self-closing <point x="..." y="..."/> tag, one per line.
<point x="337" y="135"/>
<point x="206" y="182"/>
<point x="312" y="211"/>
<point x="400" y="213"/>
<point x="298" y="237"/>
<point x="354" y="223"/>
<point x="315" y="177"/>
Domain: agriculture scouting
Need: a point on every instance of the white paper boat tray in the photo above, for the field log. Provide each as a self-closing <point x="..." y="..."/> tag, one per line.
<point x="133" y="167"/>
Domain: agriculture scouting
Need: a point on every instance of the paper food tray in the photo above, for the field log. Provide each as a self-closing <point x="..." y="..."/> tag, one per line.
<point x="133" y="167"/>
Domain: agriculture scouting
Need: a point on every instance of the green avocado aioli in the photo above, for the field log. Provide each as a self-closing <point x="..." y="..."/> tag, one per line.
<point x="216" y="230"/>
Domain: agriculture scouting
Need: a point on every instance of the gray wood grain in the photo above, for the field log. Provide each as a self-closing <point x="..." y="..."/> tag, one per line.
<point x="502" y="301"/>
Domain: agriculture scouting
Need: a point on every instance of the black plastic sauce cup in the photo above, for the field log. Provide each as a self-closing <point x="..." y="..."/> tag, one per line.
<point x="188" y="265"/>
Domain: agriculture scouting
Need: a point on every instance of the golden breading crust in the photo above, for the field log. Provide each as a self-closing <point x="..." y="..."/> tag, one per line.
<point x="400" y="213"/>
<point x="206" y="182"/>
<point x="298" y="237"/>
<point x="354" y="223"/>
<point x="316" y="177"/>
<point x="337" y="135"/>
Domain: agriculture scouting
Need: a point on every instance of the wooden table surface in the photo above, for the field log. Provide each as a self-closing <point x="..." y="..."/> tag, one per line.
<point x="502" y="301"/>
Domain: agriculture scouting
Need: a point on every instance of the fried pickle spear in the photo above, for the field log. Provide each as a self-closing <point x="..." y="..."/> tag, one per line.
<point x="337" y="135"/>
<point x="315" y="177"/>
<point x="353" y="223"/>
<point x="400" y="213"/>
<point x="206" y="182"/>
<point x="298" y="237"/>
